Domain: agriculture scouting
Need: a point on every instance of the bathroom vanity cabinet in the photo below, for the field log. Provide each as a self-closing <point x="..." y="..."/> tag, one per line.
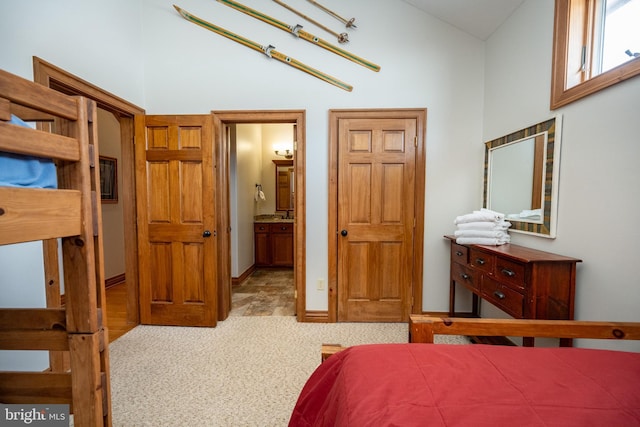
<point x="273" y="244"/>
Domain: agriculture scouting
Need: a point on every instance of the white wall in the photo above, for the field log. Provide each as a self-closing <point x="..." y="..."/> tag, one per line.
<point x="248" y="167"/>
<point x="425" y="64"/>
<point x="599" y="175"/>
<point x="99" y="41"/>
<point x="22" y="286"/>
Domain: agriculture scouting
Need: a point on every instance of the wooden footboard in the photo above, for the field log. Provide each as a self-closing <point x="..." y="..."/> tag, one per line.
<point x="330" y="349"/>
<point x="422" y="328"/>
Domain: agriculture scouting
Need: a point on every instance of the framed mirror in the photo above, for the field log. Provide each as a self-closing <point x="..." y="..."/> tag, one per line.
<point x="284" y="185"/>
<point x="521" y="172"/>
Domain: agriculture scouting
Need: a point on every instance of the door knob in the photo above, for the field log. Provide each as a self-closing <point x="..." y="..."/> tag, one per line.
<point x="344" y="232"/>
<point x="206" y="233"/>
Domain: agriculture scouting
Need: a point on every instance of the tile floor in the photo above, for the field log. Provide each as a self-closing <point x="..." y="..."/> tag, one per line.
<point x="264" y="293"/>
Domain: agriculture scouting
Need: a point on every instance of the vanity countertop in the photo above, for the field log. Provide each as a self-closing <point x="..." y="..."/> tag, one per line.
<point x="272" y="219"/>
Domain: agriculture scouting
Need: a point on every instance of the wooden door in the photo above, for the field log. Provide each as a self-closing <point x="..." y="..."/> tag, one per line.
<point x="176" y="220"/>
<point x="376" y="215"/>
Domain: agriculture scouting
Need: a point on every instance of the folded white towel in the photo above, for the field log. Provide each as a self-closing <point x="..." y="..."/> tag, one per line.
<point x="498" y="216"/>
<point x="481" y="241"/>
<point x="533" y="214"/>
<point x="530" y="213"/>
<point x="484" y="225"/>
<point x="497" y="234"/>
<point x="261" y="195"/>
<point x="480" y="216"/>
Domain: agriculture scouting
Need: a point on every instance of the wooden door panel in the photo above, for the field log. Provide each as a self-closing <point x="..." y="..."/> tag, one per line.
<point x="381" y="311"/>
<point x="376" y="208"/>
<point x="157" y="197"/>
<point x="393" y="141"/>
<point x="392" y="193"/>
<point x="174" y="166"/>
<point x="360" y="180"/>
<point x="358" y="273"/>
<point x="161" y="275"/>
<point x="193" y="278"/>
<point x="190" y="177"/>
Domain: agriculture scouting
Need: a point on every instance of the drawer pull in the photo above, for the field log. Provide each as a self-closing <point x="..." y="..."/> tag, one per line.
<point x="459" y="253"/>
<point x="508" y="273"/>
<point x="283" y="228"/>
<point x="498" y="294"/>
<point x="480" y="261"/>
<point x="465" y="276"/>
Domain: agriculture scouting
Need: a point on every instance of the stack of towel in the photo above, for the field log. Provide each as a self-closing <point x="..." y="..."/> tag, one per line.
<point x="483" y="227"/>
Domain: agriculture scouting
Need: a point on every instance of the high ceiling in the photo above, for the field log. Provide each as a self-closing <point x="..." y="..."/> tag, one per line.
<point x="479" y="18"/>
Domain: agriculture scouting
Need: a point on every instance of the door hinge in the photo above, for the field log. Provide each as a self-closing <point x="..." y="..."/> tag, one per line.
<point x="583" y="59"/>
<point x="415" y="141"/>
<point x="92" y="156"/>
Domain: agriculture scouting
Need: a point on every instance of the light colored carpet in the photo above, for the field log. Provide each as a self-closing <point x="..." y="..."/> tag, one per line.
<point x="248" y="371"/>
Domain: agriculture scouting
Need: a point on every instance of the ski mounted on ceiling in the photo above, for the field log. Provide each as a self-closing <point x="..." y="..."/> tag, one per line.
<point x="299" y="32"/>
<point x="267" y="50"/>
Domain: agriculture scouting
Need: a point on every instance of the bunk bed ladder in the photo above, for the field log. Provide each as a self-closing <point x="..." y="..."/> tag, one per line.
<point x="76" y="329"/>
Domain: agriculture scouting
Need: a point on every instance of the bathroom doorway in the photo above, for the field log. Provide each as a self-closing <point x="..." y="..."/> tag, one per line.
<point x="261" y="215"/>
<point x="248" y="168"/>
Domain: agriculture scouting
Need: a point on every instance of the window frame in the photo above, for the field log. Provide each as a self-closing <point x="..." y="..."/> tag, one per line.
<point x="566" y="38"/>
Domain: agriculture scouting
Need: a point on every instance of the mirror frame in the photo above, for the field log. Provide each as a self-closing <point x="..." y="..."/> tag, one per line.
<point x="562" y="39"/>
<point x="550" y="176"/>
<point x="280" y="163"/>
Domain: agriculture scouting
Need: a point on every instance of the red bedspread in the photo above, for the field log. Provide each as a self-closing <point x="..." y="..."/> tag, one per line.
<point x="471" y="385"/>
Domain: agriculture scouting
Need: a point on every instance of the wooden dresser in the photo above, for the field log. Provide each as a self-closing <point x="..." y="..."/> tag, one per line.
<point x="525" y="283"/>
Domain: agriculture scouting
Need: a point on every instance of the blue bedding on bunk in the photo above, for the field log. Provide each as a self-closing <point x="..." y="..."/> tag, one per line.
<point x="18" y="170"/>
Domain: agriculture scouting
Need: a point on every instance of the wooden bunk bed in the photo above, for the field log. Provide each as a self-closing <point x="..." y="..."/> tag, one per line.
<point x="71" y="212"/>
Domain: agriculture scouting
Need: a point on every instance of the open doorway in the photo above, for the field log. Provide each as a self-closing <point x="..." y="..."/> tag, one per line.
<point x="226" y="125"/>
<point x="123" y="111"/>
<point x="113" y="238"/>
<point x="262" y="214"/>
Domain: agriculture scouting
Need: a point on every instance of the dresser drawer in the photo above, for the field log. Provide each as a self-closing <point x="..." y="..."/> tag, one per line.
<point x="482" y="260"/>
<point x="510" y="273"/>
<point x="260" y="227"/>
<point x="465" y="276"/>
<point x="281" y="227"/>
<point x="459" y="254"/>
<point x="503" y="297"/>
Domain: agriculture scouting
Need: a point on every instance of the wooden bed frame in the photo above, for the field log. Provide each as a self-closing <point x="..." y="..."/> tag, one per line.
<point x="71" y="213"/>
<point x="423" y="328"/>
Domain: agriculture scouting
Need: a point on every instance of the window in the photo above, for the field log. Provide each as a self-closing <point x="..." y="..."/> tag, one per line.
<point x="596" y="45"/>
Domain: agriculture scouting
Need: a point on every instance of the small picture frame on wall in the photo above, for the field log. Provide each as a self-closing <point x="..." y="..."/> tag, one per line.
<point x="108" y="179"/>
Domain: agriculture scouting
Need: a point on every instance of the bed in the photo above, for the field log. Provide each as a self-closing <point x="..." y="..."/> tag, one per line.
<point x="48" y="181"/>
<point x="421" y="383"/>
